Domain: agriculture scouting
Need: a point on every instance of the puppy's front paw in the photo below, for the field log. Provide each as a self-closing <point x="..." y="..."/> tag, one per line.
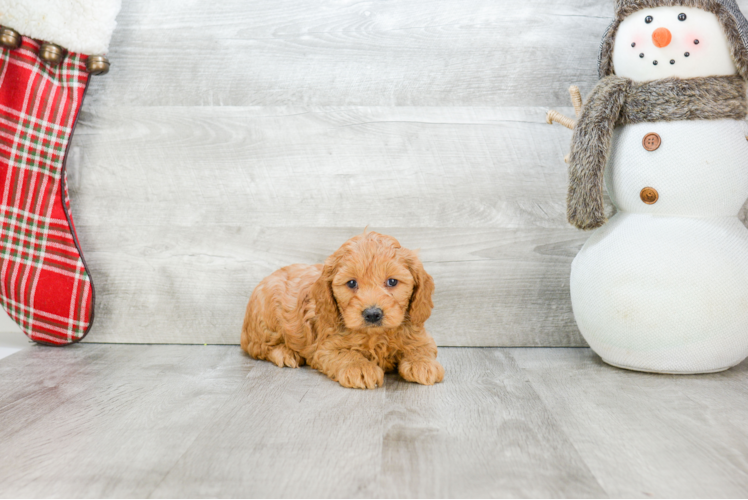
<point x="361" y="375"/>
<point x="425" y="372"/>
<point x="283" y="356"/>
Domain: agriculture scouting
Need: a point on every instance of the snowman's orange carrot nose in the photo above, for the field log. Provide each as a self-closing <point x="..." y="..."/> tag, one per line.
<point x="662" y="37"/>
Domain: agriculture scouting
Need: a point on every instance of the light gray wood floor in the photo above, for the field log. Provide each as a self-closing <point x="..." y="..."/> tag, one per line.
<point x="193" y="421"/>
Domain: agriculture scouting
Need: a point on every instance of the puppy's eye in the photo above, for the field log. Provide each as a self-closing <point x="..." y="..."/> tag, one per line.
<point x="648" y="19"/>
<point x="681" y="17"/>
<point x="391" y="282"/>
<point x="352" y="284"/>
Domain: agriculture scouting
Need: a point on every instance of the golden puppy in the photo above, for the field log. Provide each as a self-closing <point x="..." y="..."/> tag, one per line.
<point x="356" y="317"/>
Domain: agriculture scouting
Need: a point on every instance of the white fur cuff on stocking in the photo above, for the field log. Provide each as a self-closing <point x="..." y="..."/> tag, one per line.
<point x="83" y="26"/>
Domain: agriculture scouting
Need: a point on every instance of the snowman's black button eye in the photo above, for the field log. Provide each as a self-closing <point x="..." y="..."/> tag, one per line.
<point x="681" y="17"/>
<point x="641" y="55"/>
<point x="672" y="61"/>
<point x="695" y="42"/>
<point x="633" y="44"/>
<point x="654" y="62"/>
<point x="648" y="19"/>
<point x="687" y="54"/>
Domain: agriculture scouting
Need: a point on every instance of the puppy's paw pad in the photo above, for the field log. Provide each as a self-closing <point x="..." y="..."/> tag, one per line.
<point x="283" y="356"/>
<point x="364" y="375"/>
<point x="424" y="372"/>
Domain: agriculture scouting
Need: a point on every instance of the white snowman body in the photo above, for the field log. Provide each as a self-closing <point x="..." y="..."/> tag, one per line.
<point x="663" y="286"/>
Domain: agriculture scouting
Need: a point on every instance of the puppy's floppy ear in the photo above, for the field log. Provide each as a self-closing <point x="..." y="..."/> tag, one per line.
<point x="423" y="287"/>
<point x="326" y="308"/>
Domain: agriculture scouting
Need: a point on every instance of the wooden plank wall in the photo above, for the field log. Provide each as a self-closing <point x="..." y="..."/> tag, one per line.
<point x="232" y="138"/>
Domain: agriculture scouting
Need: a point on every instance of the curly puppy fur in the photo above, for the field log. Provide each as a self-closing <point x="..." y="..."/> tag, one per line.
<point x="310" y="314"/>
<point x="620" y="101"/>
<point x="625" y="8"/>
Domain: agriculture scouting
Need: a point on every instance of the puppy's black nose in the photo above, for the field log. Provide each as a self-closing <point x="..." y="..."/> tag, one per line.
<point x="373" y="315"/>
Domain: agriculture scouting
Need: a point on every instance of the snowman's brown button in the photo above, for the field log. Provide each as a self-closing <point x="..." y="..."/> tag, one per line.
<point x="651" y="141"/>
<point x="649" y="195"/>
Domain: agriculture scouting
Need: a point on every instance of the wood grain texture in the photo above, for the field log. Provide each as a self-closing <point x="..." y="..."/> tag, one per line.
<point x="112" y="422"/>
<point x="157" y="284"/>
<point x="182" y="212"/>
<point x="134" y="421"/>
<point x="342" y="167"/>
<point x="23" y="402"/>
<point x="287" y="433"/>
<point x="646" y="435"/>
<point x="371" y="53"/>
<point x="483" y="433"/>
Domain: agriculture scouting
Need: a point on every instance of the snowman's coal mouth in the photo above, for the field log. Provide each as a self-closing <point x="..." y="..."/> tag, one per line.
<point x="672" y="61"/>
<point x="656" y="62"/>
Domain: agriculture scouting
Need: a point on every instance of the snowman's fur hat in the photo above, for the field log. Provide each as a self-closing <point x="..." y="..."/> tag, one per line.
<point x="732" y="20"/>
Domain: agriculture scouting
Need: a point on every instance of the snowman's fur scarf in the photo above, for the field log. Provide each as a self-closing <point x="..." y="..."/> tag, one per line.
<point x="625" y="8"/>
<point x="620" y="101"/>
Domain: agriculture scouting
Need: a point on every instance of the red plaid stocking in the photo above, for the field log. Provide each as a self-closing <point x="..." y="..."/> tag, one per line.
<point x="44" y="284"/>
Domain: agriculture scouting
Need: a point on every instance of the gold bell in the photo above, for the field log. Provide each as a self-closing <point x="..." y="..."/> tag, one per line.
<point x="51" y="54"/>
<point x="9" y="38"/>
<point x="97" y="65"/>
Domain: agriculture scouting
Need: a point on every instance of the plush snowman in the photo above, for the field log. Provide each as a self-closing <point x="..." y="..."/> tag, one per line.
<point x="663" y="285"/>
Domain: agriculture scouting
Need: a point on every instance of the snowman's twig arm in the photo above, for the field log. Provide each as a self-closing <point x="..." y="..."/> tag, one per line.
<point x="555" y="116"/>
<point x="576" y="99"/>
